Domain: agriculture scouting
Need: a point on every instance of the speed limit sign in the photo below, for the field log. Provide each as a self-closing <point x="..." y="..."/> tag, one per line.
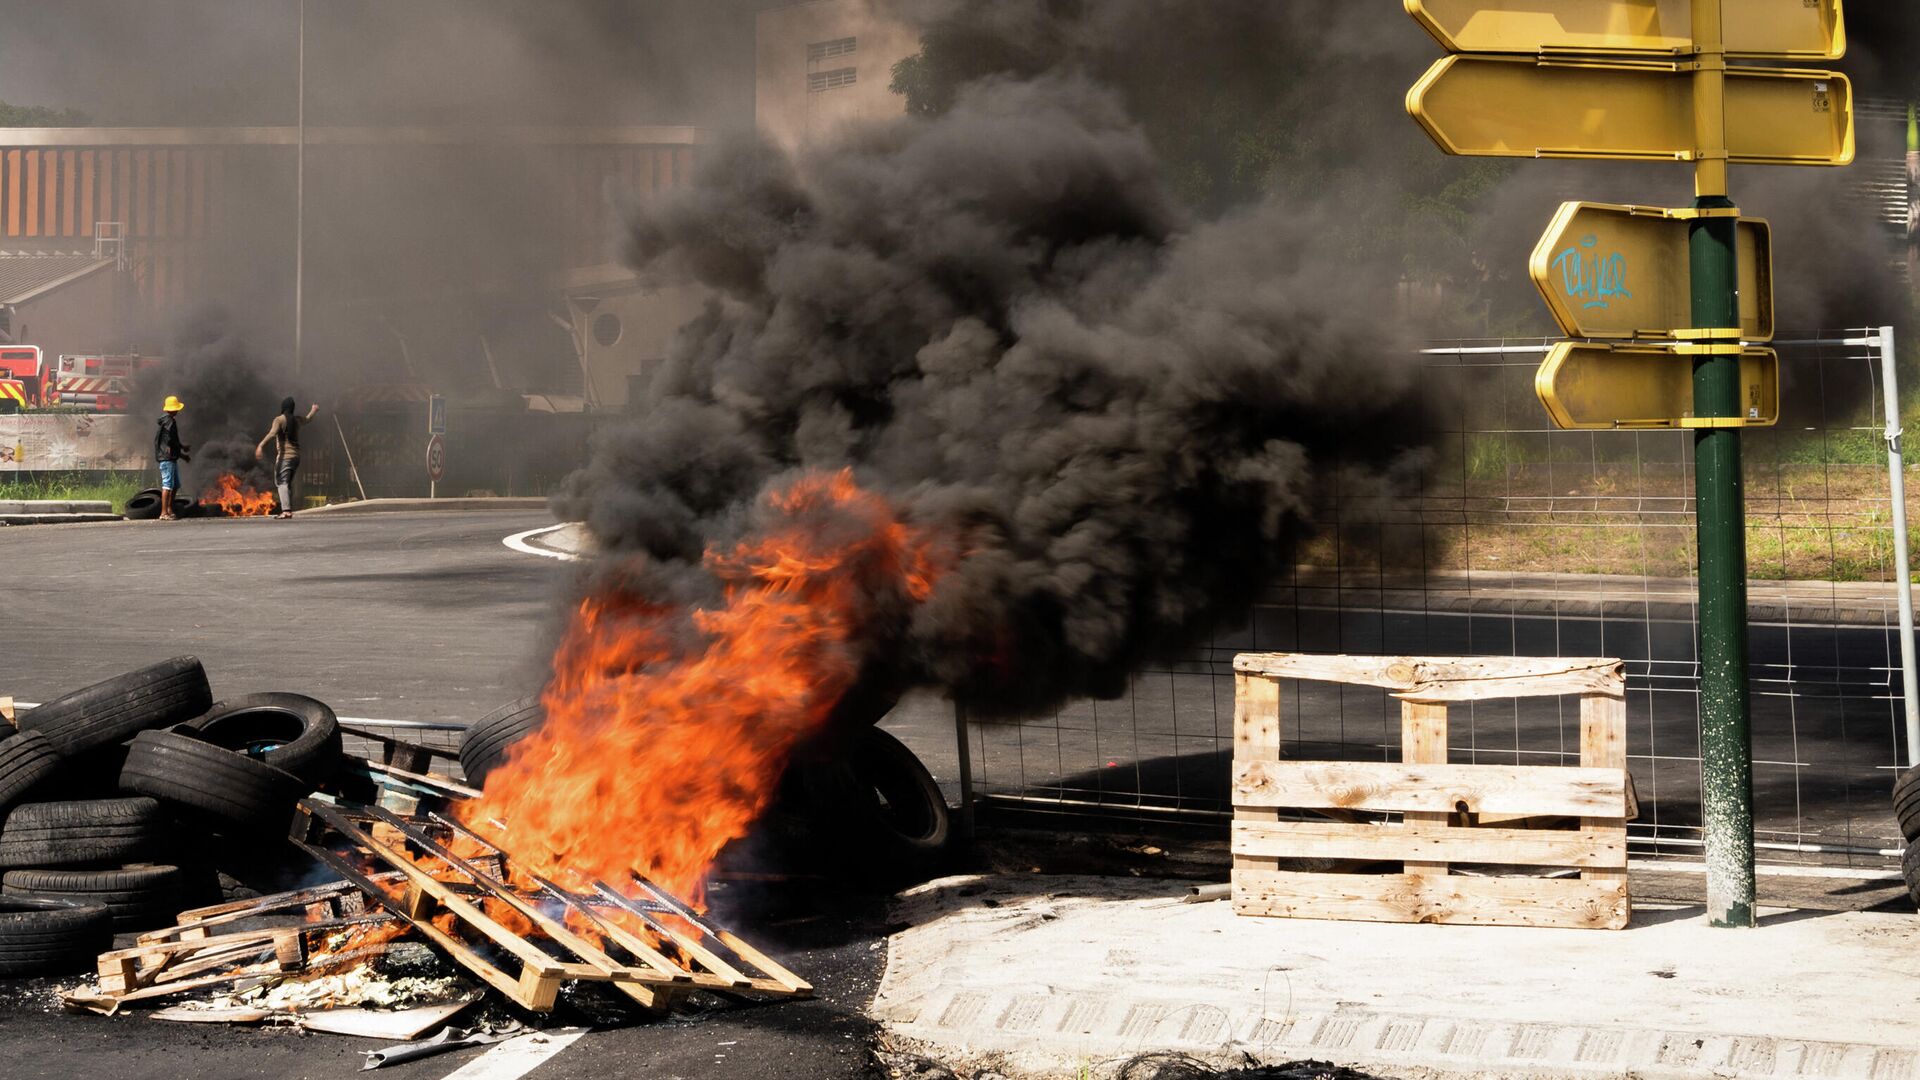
<point x="436" y="458"/>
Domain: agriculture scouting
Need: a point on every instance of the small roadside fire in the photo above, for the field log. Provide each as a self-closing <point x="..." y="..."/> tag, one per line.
<point x="237" y="500"/>
<point x="656" y="753"/>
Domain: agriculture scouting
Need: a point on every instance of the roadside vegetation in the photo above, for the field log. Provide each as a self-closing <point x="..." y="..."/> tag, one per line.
<point x="115" y="488"/>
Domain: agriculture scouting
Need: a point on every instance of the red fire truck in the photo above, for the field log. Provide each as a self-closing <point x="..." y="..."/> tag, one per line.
<point x="23" y="377"/>
<point x="98" y="383"/>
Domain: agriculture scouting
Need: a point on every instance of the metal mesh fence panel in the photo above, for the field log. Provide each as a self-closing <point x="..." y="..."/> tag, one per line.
<point x="1524" y="540"/>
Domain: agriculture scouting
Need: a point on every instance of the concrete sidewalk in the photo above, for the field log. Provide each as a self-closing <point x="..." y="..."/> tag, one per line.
<point x="1046" y="976"/>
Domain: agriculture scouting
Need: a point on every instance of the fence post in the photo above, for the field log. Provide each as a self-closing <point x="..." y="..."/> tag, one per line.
<point x="965" y="746"/>
<point x="1897" y="481"/>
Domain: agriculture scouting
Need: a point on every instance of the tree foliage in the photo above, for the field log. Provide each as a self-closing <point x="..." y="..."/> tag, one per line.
<point x="16" y="116"/>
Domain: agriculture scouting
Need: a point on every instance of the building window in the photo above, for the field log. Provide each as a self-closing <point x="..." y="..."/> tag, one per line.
<point x="827" y="50"/>
<point x="821" y="81"/>
<point x="606" y="330"/>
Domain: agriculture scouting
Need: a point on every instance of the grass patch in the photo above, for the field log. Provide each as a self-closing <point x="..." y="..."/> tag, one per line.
<point x="115" y="488"/>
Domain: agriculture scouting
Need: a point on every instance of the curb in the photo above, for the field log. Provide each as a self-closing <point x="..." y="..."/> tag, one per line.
<point x="56" y="519"/>
<point x="390" y="506"/>
<point x="565" y="541"/>
<point x="20" y="507"/>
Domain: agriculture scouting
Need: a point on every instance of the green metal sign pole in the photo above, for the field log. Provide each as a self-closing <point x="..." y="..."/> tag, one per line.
<point x="1726" y="741"/>
<point x="1726" y="756"/>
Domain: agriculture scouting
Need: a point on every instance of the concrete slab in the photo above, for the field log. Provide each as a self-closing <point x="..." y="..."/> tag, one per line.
<point x="1045" y="976"/>
<point x="61" y="518"/>
<point x="55" y="506"/>
<point x="392" y="506"/>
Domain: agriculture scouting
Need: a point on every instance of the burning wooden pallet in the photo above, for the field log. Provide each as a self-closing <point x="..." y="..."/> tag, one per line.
<point x="192" y="956"/>
<point x="1448" y="814"/>
<point x="459" y="890"/>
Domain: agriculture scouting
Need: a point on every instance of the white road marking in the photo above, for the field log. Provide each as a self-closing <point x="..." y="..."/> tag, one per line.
<point x="518" y="542"/>
<point x="518" y="1056"/>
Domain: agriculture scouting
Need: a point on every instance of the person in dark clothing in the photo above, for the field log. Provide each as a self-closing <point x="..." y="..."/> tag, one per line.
<point x="169" y="451"/>
<point x="285" y="435"/>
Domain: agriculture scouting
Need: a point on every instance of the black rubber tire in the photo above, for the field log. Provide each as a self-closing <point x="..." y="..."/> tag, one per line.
<point x="1906" y="803"/>
<point x="483" y="747"/>
<point x="27" y="761"/>
<point x="240" y="871"/>
<point x="881" y="811"/>
<point x="82" y="832"/>
<point x="137" y="898"/>
<point x="92" y="775"/>
<point x="45" y="937"/>
<point x="233" y="791"/>
<point x="291" y="731"/>
<point x="108" y="712"/>
<point x="1910" y="870"/>
<point x="143" y="506"/>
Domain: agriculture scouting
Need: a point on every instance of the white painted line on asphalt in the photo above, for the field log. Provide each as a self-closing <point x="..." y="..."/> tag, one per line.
<point x="518" y="542"/>
<point x="518" y="1056"/>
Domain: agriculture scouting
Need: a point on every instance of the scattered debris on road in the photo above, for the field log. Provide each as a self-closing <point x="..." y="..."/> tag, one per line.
<point x="125" y="801"/>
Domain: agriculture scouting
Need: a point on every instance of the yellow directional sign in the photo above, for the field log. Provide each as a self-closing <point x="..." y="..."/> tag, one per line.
<point x="1509" y="106"/>
<point x="1755" y="29"/>
<point x="1593" y="386"/>
<point x="1610" y="271"/>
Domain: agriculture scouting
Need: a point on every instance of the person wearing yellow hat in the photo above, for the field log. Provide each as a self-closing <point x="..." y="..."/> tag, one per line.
<point x="169" y="451"/>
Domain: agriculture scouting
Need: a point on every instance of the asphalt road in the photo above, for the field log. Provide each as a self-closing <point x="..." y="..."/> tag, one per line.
<point x="428" y="616"/>
<point x="826" y="1037"/>
<point x="415" y="616"/>
<point x="397" y="616"/>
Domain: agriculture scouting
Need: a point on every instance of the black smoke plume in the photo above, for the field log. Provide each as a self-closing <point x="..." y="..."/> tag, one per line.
<point x="1002" y="317"/>
<point x="231" y="393"/>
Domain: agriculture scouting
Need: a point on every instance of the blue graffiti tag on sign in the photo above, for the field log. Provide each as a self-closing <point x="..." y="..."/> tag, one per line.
<point x="1595" y="279"/>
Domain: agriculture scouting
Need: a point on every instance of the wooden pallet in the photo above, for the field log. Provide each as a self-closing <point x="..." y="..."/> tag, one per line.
<point x="191" y="956"/>
<point x="1426" y="814"/>
<point x="323" y="903"/>
<point x="649" y="945"/>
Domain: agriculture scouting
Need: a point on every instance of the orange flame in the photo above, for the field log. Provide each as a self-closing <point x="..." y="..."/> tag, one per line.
<point x="234" y="500"/>
<point x="654" y="756"/>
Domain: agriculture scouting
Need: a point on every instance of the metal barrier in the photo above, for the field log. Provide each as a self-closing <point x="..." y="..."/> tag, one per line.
<point x="1529" y="541"/>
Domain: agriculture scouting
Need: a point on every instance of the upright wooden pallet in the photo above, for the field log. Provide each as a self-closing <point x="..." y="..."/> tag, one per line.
<point x="1448" y="814"/>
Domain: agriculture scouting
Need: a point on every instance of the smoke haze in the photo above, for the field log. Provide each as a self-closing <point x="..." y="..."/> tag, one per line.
<point x="1111" y="306"/>
<point x="1004" y="319"/>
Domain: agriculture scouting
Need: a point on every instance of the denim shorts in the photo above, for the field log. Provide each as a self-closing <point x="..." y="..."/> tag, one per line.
<point x="170" y="475"/>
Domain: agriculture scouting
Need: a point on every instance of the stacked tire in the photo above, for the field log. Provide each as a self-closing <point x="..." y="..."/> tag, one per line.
<point x="1906" y="808"/>
<point x="119" y="803"/>
<point x="231" y="778"/>
<point x="79" y="860"/>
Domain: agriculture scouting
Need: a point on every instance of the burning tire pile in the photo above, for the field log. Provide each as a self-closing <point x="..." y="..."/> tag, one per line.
<point x="861" y="806"/>
<point x="123" y="801"/>
<point x="227" y="496"/>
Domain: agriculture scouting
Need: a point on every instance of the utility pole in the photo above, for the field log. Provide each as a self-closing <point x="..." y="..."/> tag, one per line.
<point x="300" y="208"/>
<point x="1726" y="741"/>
